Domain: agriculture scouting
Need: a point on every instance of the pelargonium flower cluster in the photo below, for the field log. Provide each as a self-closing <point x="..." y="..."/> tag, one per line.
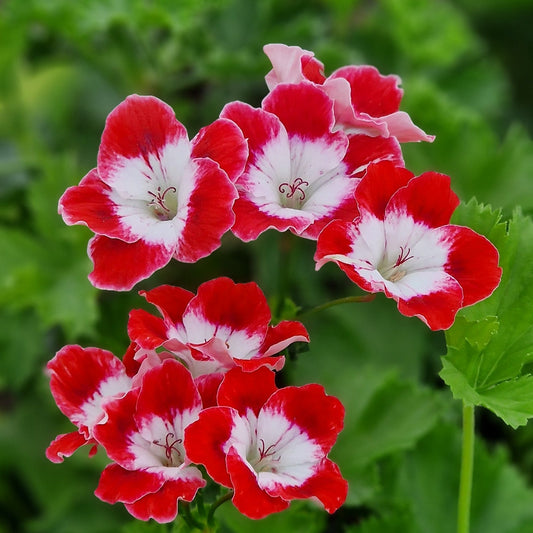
<point x="320" y="158"/>
<point x="204" y="371"/>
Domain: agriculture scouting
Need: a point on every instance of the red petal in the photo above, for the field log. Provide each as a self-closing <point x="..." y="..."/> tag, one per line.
<point x="372" y="93"/>
<point x="282" y="335"/>
<point x="139" y="126"/>
<point x="318" y="415"/>
<point x="116" y="434"/>
<point x="170" y="301"/>
<point x="120" y="485"/>
<point x="223" y="142"/>
<point x="437" y="309"/>
<point x="246" y="390"/>
<point x="427" y="198"/>
<point x="239" y="306"/>
<point x="272" y="363"/>
<point x="88" y="203"/>
<point x="473" y="262"/>
<point x="147" y="330"/>
<point x="205" y="439"/>
<point x="248" y="497"/>
<point x="250" y="221"/>
<point x="258" y="126"/>
<point x="162" y="505"/>
<point x="379" y="184"/>
<point x="327" y="485"/>
<point x="130" y="363"/>
<point x="65" y="445"/>
<point x="209" y="213"/>
<point x="167" y="391"/>
<point x="208" y="388"/>
<point x="305" y="110"/>
<point x="76" y="376"/>
<point x="364" y="150"/>
<point x="119" y="265"/>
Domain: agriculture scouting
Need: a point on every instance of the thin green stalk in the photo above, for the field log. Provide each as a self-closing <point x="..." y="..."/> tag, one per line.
<point x="217" y="504"/>
<point x="187" y="516"/>
<point x="332" y="303"/>
<point x="467" y="470"/>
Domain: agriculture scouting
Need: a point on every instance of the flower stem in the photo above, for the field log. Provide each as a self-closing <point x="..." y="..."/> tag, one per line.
<point x="188" y="517"/>
<point x="467" y="469"/>
<point x="217" y="504"/>
<point x="332" y="303"/>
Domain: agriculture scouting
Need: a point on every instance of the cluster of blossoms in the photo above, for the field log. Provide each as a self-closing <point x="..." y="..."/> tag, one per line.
<point x="321" y="158"/>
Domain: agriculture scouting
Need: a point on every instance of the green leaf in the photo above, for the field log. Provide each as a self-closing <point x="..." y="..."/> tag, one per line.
<point x="429" y="478"/>
<point x="490" y="342"/>
<point x="383" y="416"/>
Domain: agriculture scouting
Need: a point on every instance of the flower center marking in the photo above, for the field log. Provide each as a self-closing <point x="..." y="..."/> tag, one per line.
<point x="158" y="202"/>
<point x="290" y="189"/>
<point x="404" y="256"/>
<point x="267" y="453"/>
<point x="170" y="446"/>
<point x="393" y="273"/>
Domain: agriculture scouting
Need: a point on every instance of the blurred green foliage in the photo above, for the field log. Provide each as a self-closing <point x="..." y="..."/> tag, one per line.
<point x="467" y="77"/>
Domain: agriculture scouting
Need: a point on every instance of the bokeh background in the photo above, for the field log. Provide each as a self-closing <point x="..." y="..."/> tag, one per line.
<point x="467" y="72"/>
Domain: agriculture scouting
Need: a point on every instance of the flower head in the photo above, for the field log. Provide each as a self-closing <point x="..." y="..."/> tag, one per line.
<point x="82" y="381"/>
<point x="299" y="174"/>
<point x="144" y="435"/>
<point x="154" y="194"/>
<point x="225" y="324"/>
<point x="270" y="445"/>
<point x="401" y="243"/>
<point x="365" y="101"/>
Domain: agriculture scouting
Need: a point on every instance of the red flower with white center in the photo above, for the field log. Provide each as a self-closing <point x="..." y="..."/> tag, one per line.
<point x="270" y="445"/>
<point x="154" y="195"/>
<point x="225" y="324"/>
<point x="365" y="100"/>
<point x="144" y="435"/>
<point x="402" y="244"/>
<point x="300" y="174"/>
<point x="82" y="380"/>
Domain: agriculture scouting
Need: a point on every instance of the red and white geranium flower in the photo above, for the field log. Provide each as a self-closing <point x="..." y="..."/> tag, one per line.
<point x="144" y="435"/>
<point x="82" y="380"/>
<point x="154" y="195"/>
<point x="300" y="174"/>
<point x="365" y="100"/>
<point x="401" y="243"/>
<point x="224" y="325"/>
<point x="270" y="445"/>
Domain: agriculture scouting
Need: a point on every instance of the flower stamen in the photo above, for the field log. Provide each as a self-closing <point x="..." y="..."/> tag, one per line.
<point x="290" y="189"/>
<point x="158" y="201"/>
<point x="169" y="446"/>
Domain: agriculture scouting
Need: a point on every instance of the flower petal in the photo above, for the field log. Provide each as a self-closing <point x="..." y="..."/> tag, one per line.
<point x="223" y="142"/>
<point x="246" y="390"/>
<point x="327" y="484"/>
<point x="209" y="211"/>
<point x="139" y="127"/>
<point x="292" y="64"/>
<point x="473" y="262"/>
<point x="81" y="379"/>
<point x="162" y="505"/>
<point x="236" y="313"/>
<point x="120" y="485"/>
<point x="205" y="440"/>
<point x="119" y="265"/>
<point x="428" y="199"/>
<point x="248" y="497"/>
<point x="65" y="445"/>
<point x="147" y="330"/>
